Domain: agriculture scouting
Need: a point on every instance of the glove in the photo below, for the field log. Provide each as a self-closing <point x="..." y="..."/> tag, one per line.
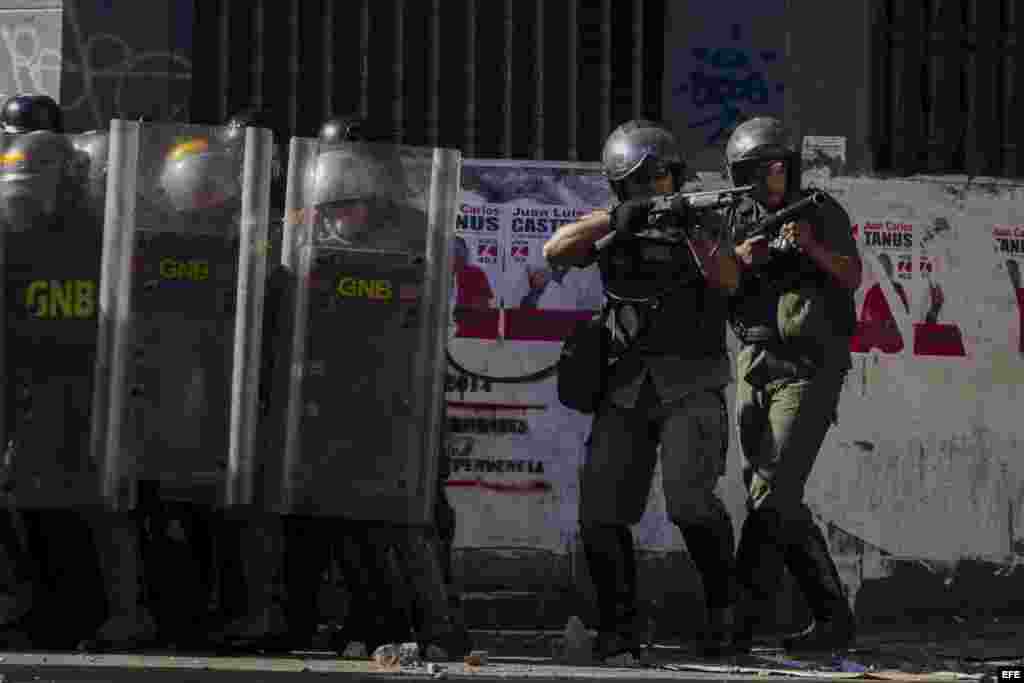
<point x="631" y="215"/>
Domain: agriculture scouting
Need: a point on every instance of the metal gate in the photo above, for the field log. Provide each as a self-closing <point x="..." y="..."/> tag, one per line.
<point x="536" y="78"/>
<point x="948" y="86"/>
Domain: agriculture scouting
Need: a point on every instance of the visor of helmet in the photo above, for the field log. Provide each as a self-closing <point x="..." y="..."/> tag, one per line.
<point x="343" y="220"/>
<point x="654" y="176"/>
<point x="754" y="168"/>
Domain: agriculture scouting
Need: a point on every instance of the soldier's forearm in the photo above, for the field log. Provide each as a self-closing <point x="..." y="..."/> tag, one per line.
<point x="845" y="269"/>
<point x="728" y="271"/>
<point x="719" y="265"/>
<point x="573" y="244"/>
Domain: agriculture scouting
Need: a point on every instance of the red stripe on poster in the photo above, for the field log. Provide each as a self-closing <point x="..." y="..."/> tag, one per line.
<point x="938" y="339"/>
<point x="476" y="323"/>
<point x="527" y="324"/>
<point x="519" y="324"/>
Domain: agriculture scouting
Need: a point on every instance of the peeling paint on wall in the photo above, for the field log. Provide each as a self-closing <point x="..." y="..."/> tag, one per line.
<point x="927" y="446"/>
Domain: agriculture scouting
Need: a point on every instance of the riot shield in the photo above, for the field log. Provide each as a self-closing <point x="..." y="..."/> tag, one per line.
<point x="181" y="299"/>
<point x="358" y="402"/>
<point x="51" y="268"/>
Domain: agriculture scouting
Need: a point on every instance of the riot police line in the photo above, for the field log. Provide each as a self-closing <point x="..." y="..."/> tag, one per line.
<point x="204" y="414"/>
<point x="200" y="424"/>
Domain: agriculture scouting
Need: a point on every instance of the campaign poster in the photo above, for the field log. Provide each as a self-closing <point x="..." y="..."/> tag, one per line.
<point x="884" y="298"/>
<point x="513" y="452"/>
<point x="1008" y="246"/>
<point x="937" y="321"/>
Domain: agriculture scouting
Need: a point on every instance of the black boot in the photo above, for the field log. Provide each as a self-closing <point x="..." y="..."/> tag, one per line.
<point x="834" y="625"/>
<point x="611" y="560"/>
<point x="711" y="549"/>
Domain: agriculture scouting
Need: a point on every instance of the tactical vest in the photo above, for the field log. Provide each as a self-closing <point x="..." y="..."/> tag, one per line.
<point x="655" y="284"/>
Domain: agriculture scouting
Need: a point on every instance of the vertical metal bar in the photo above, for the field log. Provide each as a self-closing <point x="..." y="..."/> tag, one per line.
<point x="1013" y="140"/>
<point x="364" y="64"/>
<point x="434" y="94"/>
<point x="606" y="66"/>
<point x="507" y="127"/>
<point x="223" y="65"/>
<point x="934" y="70"/>
<point x="908" y="57"/>
<point x="258" y="18"/>
<point x="983" y="88"/>
<point x="328" y="58"/>
<point x="790" y="106"/>
<point x="871" y="128"/>
<point x="245" y="366"/>
<point x="470" y="133"/>
<point x="398" y="102"/>
<point x="538" y="42"/>
<point x="115" y="318"/>
<point x="638" y="59"/>
<point x="574" y="74"/>
<point x="944" y="63"/>
<point x="297" y="250"/>
<point x="7" y="430"/>
<point x="1007" y="44"/>
<point x="293" y="65"/>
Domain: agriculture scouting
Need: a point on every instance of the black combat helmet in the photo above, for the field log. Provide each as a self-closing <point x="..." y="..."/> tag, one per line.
<point x="641" y="147"/>
<point x="760" y="140"/>
<point x="25" y="113"/>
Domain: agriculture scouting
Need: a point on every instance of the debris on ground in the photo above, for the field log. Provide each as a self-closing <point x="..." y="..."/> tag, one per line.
<point x="626" y="659"/>
<point x="476" y="658"/>
<point x="387" y="656"/>
<point x="409" y="654"/>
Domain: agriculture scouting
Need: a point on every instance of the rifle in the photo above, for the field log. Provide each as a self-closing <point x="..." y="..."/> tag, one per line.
<point x="679" y="204"/>
<point x="771" y="224"/>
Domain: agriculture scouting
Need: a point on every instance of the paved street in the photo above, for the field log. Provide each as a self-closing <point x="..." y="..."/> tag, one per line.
<point x="939" y="655"/>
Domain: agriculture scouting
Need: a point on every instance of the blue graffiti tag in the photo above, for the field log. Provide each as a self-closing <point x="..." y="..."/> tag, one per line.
<point x="726" y="77"/>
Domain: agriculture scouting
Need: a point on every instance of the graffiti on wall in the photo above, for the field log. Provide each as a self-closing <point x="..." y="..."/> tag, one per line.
<point x="726" y="83"/>
<point x="724" y="62"/>
<point x="30" y="59"/>
<point x="94" y="74"/>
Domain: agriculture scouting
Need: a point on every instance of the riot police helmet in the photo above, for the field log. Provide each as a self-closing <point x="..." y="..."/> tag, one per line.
<point x="34" y="189"/>
<point x="339" y="129"/>
<point x="638" y="152"/>
<point x="358" y="186"/>
<point x="757" y="142"/>
<point x="256" y="117"/>
<point x="25" y="113"/>
<point x="200" y="173"/>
